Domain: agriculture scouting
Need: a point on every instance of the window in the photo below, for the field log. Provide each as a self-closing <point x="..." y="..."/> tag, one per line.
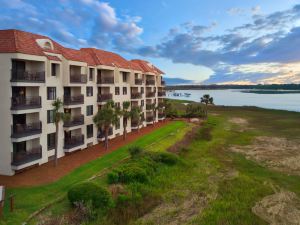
<point x="89" y="91"/>
<point x="142" y="90"/>
<point x="118" y="105"/>
<point x="90" y="131"/>
<point x="53" y="69"/>
<point x="142" y="103"/>
<point x="136" y="76"/>
<point x="124" y="90"/>
<point x="154" y="89"/>
<point x="117" y="90"/>
<point x="89" y="110"/>
<point x="124" y="77"/>
<point x="50" y="116"/>
<point x="91" y="74"/>
<point x="51" y="93"/>
<point x="51" y="141"/>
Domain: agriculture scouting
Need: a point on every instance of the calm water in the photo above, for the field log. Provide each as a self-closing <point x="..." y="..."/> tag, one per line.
<point x="229" y="97"/>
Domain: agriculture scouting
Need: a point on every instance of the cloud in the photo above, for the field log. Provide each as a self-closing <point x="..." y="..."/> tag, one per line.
<point x="235" y="11"/>
<point x="273" y="38"/>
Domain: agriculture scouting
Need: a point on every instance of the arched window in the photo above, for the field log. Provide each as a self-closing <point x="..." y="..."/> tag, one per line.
<point x="47" y="45"/>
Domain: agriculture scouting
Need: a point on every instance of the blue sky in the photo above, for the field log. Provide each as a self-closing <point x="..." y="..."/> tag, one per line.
<point x="211" y="41"/>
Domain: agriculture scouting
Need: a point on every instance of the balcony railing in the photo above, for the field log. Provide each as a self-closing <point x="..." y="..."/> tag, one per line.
<point x="74" y="141"/>
<point x="136" y="95"/>
<point x="138" y="81"/>
<point x="150" y="94"/>
<point x="75" y="121"/>
<point x="161" y="115"/>
<point x="20" y="158"/>
<point x="24" y="130"/>
<point x="78" y="78"/>
<point x="150" y="82"/>
<point x="134" y="123"/>
<point x="23" y="102"/>
<point x="106" y="80"/>
<point x="149" y="106"/>
<point x="101" y="133"/>
<point x="149" y="119"/>
<point x="26" y="76"/>
<point x="73" y="100"/>
<point x="104" y="97"/>
<point x="161" y="93"/>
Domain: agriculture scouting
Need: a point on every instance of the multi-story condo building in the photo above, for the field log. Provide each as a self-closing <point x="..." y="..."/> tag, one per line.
<point x="35" y="70"/>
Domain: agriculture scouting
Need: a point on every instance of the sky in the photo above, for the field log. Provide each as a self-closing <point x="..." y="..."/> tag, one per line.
<point x="208" y="41"/>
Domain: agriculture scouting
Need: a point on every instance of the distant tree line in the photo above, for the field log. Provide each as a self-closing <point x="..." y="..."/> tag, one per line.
<point x="216" y="86"/>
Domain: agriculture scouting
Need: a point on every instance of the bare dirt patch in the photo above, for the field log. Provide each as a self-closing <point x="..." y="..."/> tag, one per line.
<point x="282" y="208"/>
<point x="277" y="153"/>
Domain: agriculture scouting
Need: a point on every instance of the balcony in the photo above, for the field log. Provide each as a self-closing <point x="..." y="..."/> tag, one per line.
<point x="163" y="83"/>
<point x="106" y="80"/>
<point x="149" y="106"/>
<point x="73" y="100"/>
<point x="150" y="94"/>
<point x="161" y="94"/>
<point x="101" y="133"/>
<point x="28" y="77"/>
<point x="161" y="115"/>
<point x="161" y="105"/>
<point x="138" y="81"/>
<point x="75" y="121"/>
<point x="104" y="97"/>
<point x="20" y="158"/>
<point x="25" y="130"/>
<point x="78" y="78"/>
<point x="149" y="119"/>
<point x="23" y="102"/>
<point x="134" y="124"/>
<point x="150" y="82"/>
<point x="74" y="141"/>
<point x="136" y="95"/>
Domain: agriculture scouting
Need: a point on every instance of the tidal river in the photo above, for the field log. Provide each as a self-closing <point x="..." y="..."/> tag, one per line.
<point x="230" y="97"/>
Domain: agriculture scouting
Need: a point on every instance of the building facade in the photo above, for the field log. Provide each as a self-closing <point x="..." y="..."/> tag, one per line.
<point x="36" y="70"/>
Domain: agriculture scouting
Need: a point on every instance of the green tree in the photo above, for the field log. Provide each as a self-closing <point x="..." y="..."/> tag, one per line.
<point x="206" y="99"/>
<point x="125" y="113"/>
<point x="107" y="116"/>
<point x="154" y="109"/>
<point x="171" y="111"/>
<point x="59" y="116"/>
<point x="136" y="114"/>
<point x="194" y="110"/>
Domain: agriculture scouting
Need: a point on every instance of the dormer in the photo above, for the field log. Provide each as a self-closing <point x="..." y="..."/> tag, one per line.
<point x="45" y="44"/>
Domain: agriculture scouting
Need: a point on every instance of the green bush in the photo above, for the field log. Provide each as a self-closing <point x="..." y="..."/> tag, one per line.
<point x="128" y="173"/>
<point x="87" y="192"/>
<point x="164" y="157"/>
<point x="135" y="151"/>
<point x="113" y="177"/>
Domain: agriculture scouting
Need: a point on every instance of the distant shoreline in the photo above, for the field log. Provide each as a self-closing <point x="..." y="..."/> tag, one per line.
<point x="278" y="87"/>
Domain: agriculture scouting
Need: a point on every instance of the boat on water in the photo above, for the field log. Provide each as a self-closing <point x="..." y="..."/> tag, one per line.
<point x="175" y="94"/>
<point x="187" y="94"/>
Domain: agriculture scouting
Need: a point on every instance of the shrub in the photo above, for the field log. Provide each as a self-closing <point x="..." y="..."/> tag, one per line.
<point x="113" y="177"/>
<point x="135" y="151"/>
<point x="90" y="192"/>
<point x="128" y="173"/>
<point x="165" y="157"/>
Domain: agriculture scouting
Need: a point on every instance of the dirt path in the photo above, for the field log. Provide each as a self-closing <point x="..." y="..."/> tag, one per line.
<point x="47" y="173"/>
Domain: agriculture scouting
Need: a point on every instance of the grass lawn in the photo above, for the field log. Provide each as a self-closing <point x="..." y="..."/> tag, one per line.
<point x="28" y="200"/>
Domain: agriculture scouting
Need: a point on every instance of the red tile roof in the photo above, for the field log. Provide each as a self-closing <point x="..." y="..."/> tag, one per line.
<point x="16" y="41"/>
<point x="147" y="67"/>
<point x="54" y="58"/>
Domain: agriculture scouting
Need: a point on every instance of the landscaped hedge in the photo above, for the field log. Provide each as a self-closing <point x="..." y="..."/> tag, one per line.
<point x="90" y="192"/>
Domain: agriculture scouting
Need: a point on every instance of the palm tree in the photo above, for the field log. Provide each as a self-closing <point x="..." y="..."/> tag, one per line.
<point x="125" y="112"/>
<point x="107" y="116"/>
<point x="206" y="99"/>
<point x="136" y="114"/>
<point x="58" y="117"/>
<point x="154" y="108"/>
